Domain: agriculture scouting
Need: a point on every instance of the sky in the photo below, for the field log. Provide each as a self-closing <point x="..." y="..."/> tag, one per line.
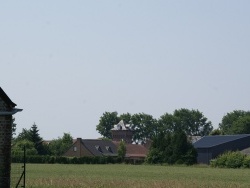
<point x="65" y="63"/>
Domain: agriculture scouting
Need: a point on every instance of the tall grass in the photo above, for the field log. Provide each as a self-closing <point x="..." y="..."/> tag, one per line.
<point x="115" y="175"/>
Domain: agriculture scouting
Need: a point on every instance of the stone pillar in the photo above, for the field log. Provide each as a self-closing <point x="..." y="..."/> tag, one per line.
<point x="5" y="150"/>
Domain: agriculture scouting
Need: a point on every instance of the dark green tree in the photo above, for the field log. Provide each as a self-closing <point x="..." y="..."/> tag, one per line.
<point x="229" y="119"/>
<point x="193" y="122"/>
<point x="106" y="123"/>
<point x="172" y="148"/>
<point x="144" y="126"/>
<point x="36" y="139"/>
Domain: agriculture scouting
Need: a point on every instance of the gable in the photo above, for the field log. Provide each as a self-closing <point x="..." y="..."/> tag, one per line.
<point x="5" y="102"/>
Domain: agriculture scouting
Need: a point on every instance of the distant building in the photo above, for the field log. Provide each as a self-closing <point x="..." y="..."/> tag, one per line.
<point x="97" y="147"/>
<point x="122" y="131"/>
<point x="210" y="147"/>
<point x="91" y="147"/>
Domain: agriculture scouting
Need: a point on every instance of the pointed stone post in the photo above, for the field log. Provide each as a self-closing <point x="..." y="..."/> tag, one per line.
<point x="6" y="111"/>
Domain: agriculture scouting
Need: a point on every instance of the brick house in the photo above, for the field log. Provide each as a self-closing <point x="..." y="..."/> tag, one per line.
<point x="7" y="109"/>
<point x="98" y="147"/>
<point x="91" y="147"/>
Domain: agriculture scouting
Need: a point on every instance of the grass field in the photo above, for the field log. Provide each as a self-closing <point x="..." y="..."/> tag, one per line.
<point x="59" y="175"/>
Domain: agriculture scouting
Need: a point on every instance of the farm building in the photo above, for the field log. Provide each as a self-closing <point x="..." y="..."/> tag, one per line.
<point x="209" y="147"/>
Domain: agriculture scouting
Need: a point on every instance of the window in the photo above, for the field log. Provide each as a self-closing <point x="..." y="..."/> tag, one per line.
<point x="98" y="148"/>
<point x="108" y="148"/>
<point x="74" y="148"/>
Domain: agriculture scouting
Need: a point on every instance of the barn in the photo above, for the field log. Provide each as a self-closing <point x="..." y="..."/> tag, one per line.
<point x="209" y="147"/>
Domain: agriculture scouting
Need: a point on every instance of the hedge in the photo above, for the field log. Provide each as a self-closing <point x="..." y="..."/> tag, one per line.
<point x="44" y="159"/>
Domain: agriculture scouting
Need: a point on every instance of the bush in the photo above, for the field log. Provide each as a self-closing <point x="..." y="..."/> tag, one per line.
<point x="246" y="162"/>
<point x="231" y="160"/>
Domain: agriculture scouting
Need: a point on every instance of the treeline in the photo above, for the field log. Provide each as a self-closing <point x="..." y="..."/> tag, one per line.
<point x="145" y="126"/>
<point x="192" y="122"/>
<point x="35" y="145"/>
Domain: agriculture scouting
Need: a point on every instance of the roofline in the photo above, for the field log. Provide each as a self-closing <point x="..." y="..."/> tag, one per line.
<point x="13" y="111"/>
<point x="6" y="98"/>
<point x="245" y="135"/>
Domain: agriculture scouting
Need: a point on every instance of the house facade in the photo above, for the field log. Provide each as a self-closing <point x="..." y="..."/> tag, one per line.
<point x="7" y="109"/>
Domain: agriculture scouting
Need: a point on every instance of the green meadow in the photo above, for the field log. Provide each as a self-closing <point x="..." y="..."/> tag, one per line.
<point x="121" y="175"/>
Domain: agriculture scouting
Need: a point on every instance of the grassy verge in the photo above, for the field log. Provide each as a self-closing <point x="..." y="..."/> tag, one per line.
<point x="59" y="175"/>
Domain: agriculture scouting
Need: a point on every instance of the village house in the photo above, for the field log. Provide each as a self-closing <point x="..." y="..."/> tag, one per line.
<point x="97" y="147"/>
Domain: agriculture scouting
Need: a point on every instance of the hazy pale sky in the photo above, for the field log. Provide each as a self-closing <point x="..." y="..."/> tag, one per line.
<point x="67" y="62"/>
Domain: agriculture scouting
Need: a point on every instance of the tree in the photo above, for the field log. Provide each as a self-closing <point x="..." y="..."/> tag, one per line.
<point x="192" y="122"/>
<point x="106" y="123"/>
<point x="122" y="150"/>
<point x="229" y="119"/>
<point x="59" y="146"/>
<point x="33" y="136"/>
<point x="125" y="117"/>
<point x="171" y="147"/>
<point x="144" y="126"/>
<point x="18" y="147"/>
<point x="241" y="126"/>
<point x="24" y="135"/>
<point x="215" y="132"/>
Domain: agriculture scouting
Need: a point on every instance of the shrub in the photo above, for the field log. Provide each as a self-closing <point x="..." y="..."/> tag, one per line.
<point x="231" y="160"/>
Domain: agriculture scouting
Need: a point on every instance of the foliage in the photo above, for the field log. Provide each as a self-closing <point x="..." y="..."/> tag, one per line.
<point x="241" y="126"/>
<point x="144" y="126"/>
<point x="228" y="120"/>
<point x="24" y="135"/>
<point x="33" y="136"/>
<point x="171" y="148"/>
<point x="215" y="132"/>
<point x="192" y="122"/>
<point x="106" y="123"/>
<point x="59" y="146"/>
<point x="18" y="148"/>
<point x="126" y="118"/>
<point x="231" y="159"/>
<point x="121" y="150"/>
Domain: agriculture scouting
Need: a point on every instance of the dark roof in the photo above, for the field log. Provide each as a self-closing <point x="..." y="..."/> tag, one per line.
<point x="100" y="147"/>
<point x="210" y="141"/>
<point x="6" y="99"/>
<point x="134" y="150"/>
